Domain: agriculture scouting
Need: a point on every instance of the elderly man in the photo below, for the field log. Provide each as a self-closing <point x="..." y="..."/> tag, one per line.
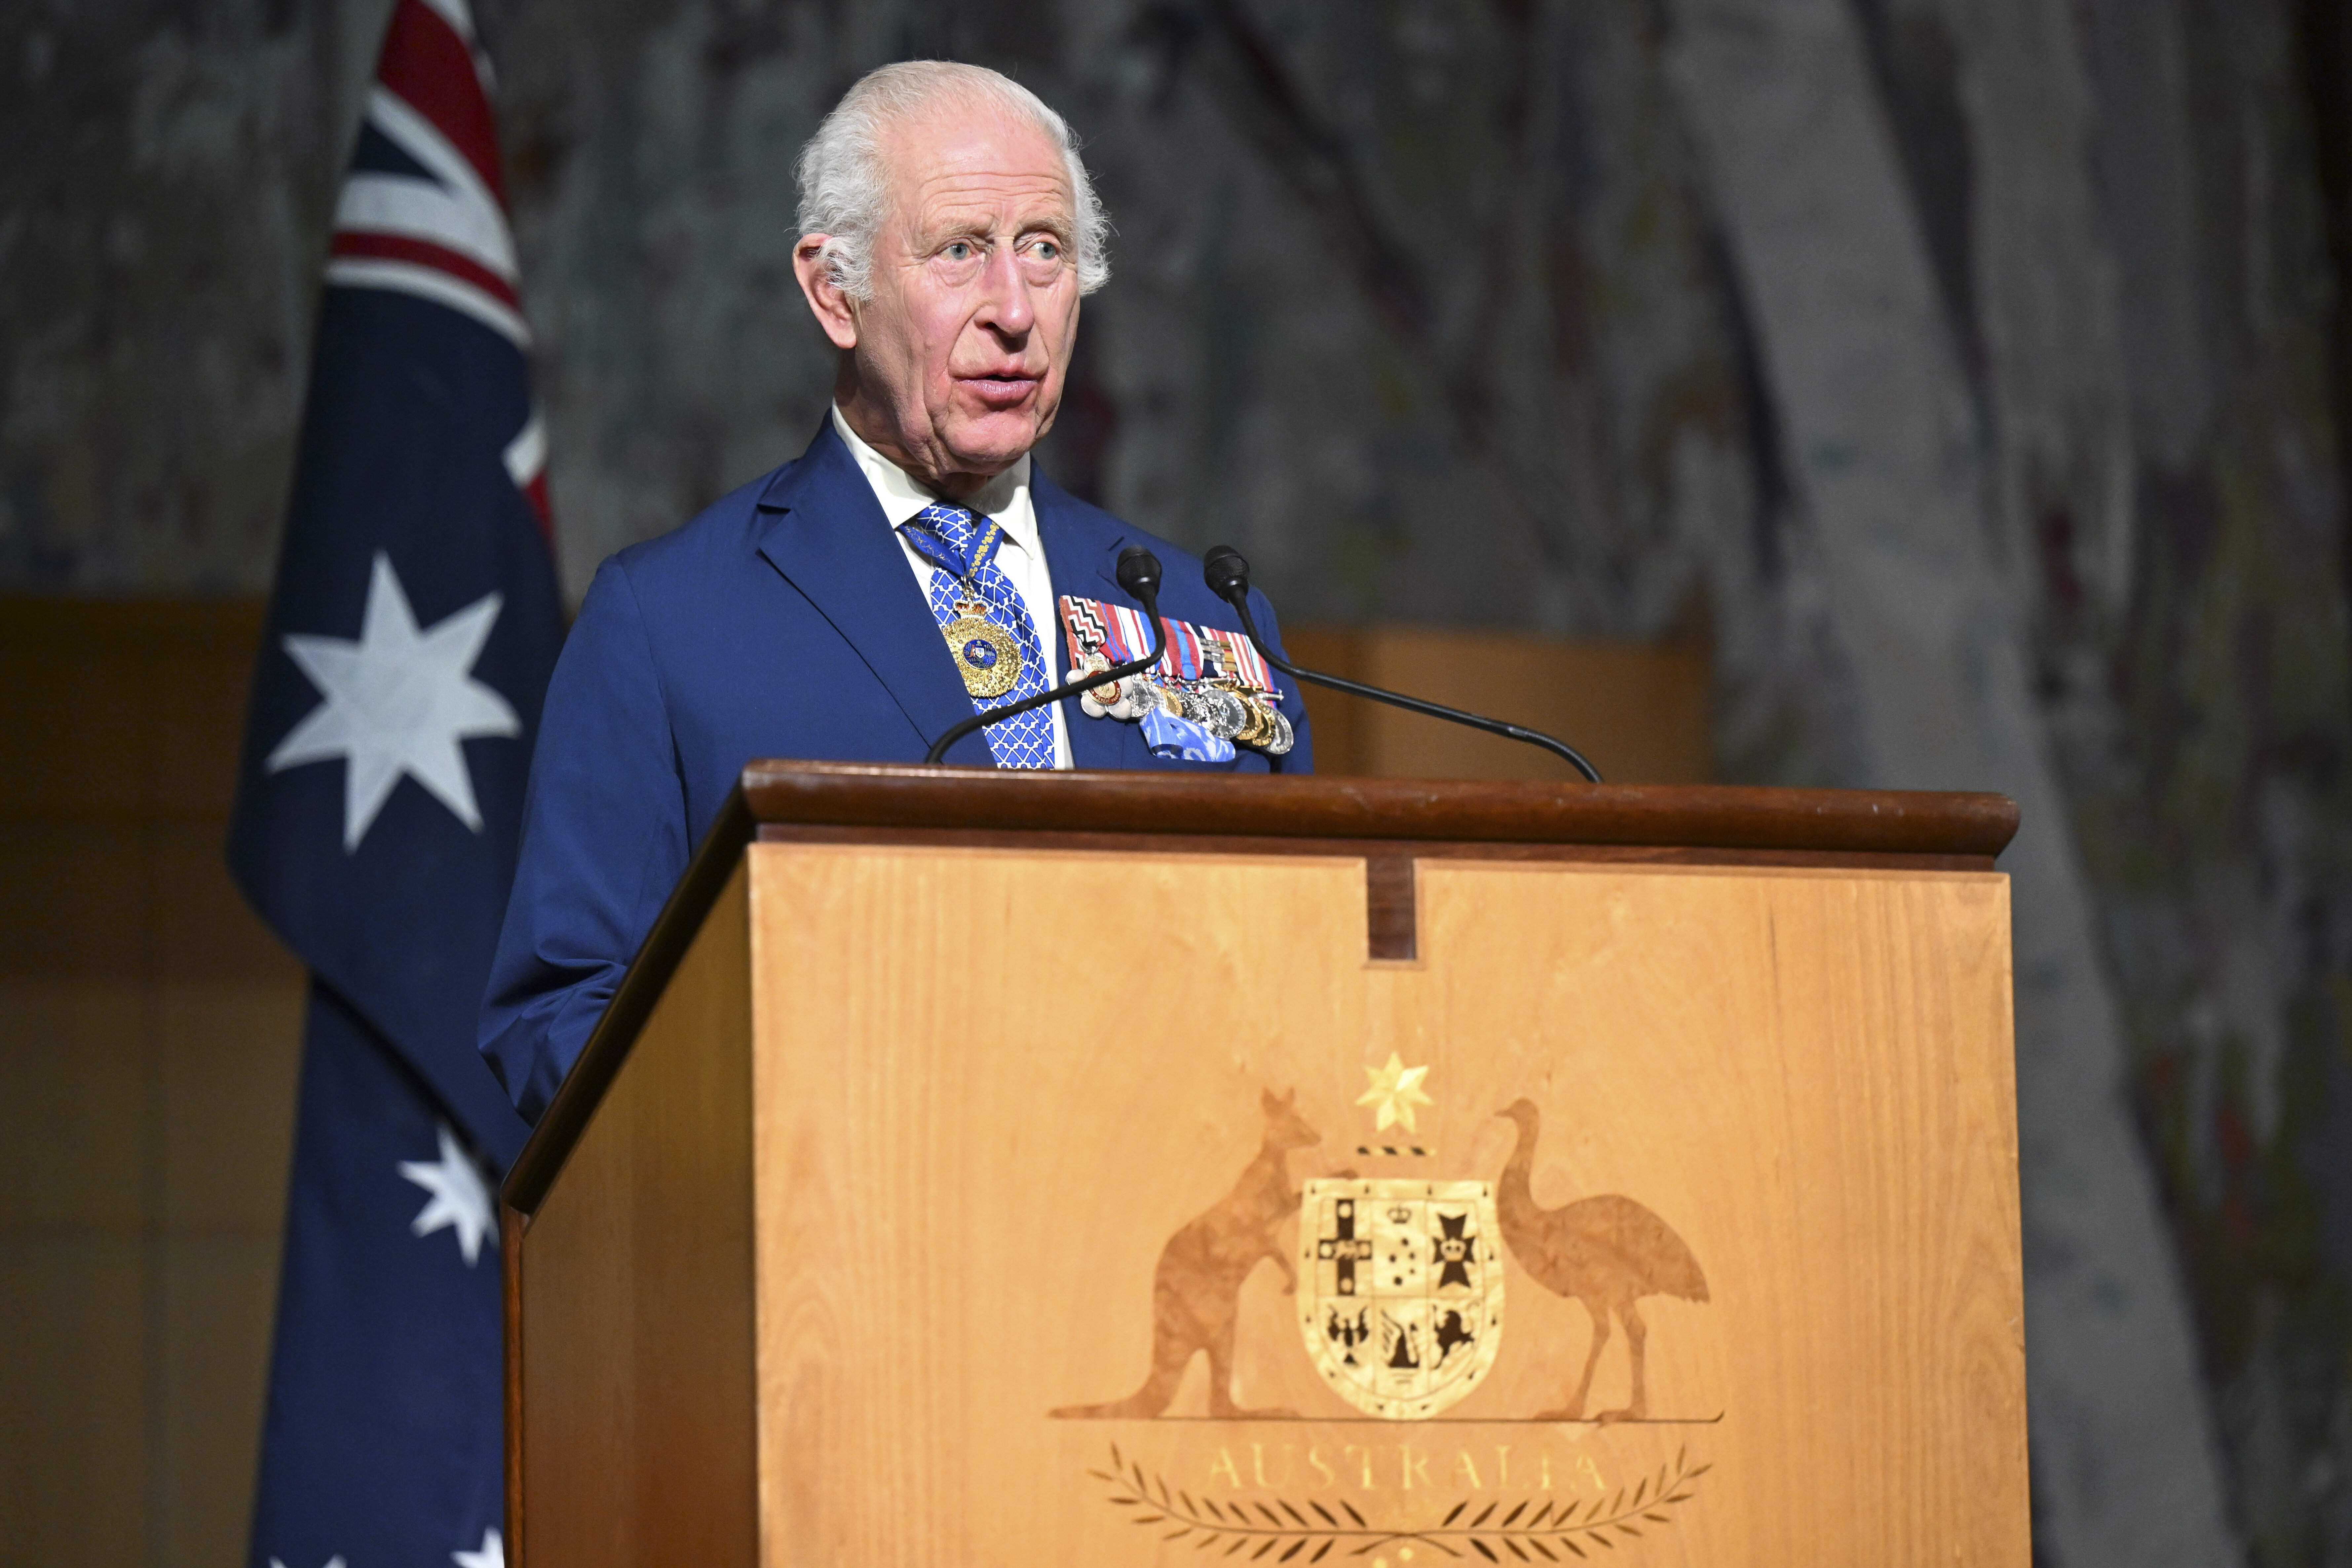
<point x="912" y="567"/>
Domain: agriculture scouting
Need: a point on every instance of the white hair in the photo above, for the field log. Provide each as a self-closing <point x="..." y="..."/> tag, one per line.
<point x="845" y="183"/>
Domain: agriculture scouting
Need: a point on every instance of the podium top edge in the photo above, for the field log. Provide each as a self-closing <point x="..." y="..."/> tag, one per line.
<point x="1706" y="817"/>
<point x="1313" y="814"/>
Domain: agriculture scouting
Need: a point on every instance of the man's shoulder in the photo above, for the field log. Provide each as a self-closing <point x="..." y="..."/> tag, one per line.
<point x="722" y="537"/>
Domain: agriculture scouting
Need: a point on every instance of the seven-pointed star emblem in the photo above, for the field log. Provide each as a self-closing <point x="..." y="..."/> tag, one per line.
<point x="461" y="1198"/>
<point x="399" y="700"/>
<point x="1396" y="1090"/>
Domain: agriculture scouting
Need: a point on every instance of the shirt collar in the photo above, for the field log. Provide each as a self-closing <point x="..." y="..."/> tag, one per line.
<point x="1004" y="499"/>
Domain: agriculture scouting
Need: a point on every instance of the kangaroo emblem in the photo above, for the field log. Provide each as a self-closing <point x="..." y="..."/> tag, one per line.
<point x="1196" y="1287"/>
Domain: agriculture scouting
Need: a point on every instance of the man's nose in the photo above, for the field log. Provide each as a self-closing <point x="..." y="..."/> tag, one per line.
<point x="1005" y="306"/>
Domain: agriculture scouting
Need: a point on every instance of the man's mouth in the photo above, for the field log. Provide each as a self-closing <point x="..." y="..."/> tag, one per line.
<point x="1002" y="388"/>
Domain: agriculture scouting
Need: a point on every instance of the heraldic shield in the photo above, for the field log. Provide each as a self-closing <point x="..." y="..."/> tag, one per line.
<point x="1400" y="1290"/>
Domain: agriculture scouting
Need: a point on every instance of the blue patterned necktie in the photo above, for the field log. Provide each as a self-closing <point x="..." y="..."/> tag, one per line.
<point x="963" y="567"/>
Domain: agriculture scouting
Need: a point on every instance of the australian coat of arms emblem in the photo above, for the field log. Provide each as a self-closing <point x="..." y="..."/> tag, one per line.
<point x="1396" y="1285"/>
<point x="1399" y="1290"/>
<point x="1399" y="1279"/>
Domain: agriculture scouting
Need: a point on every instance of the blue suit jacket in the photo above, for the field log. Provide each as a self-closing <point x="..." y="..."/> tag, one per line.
<point x="781" y="622"/>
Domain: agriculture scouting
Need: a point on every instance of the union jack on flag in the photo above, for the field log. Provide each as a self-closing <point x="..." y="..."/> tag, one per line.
<point x="423" y="210"/>
<point x="414" y="625"/>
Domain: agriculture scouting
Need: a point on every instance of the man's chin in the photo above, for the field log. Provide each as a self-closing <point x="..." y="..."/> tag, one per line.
<point x="989" y="441"/>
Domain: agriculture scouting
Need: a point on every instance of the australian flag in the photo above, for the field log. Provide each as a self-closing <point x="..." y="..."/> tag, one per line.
<point x="414" y="627"/>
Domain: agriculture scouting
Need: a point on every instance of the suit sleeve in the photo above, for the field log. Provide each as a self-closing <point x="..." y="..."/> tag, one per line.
<point x="604" y="840"/>
<point x="1300" y="758"/>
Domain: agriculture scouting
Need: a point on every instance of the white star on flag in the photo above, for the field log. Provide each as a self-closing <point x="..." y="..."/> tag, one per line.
<point x="461" y="1198"/>
<point x="493" y="1554"/>
<point x="398" y="701"/>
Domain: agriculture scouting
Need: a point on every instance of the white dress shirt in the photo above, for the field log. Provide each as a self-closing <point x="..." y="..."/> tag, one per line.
<point x="1003" y="500"/>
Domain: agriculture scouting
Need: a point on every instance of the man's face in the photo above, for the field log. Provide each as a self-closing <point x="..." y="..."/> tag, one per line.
<point x="955" y="365"/>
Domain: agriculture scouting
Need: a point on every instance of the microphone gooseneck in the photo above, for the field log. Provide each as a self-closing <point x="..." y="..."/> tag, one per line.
<point x="1227" y="575"/>
<point x="1139" y="574"/>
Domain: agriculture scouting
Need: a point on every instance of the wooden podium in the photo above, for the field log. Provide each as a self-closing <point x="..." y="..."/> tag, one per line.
<point x="984" y="1169"/>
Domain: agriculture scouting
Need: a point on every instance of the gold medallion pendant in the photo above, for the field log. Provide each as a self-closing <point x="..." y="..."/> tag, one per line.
<point x="986" y="656"/>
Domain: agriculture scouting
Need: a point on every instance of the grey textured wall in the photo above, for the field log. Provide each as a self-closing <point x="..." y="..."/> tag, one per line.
<point x="1958" y="366"/>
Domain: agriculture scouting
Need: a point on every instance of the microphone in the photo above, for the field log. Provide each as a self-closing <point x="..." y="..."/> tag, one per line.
<point x="1227" y="575"/>
<point x="1139" y="574"/>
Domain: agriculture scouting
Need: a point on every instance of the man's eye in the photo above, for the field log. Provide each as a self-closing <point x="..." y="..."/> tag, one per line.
<point x="958" y="250"/>
<point x="1047" y="250"/>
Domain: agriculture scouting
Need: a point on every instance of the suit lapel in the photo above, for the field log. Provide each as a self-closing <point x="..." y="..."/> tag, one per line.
<point x="825" y="533"/>
<point x="1082" y="554"/>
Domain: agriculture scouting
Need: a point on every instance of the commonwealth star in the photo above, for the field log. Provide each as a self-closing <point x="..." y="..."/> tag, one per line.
<point x="399" y="701"/>
<point x="1396" y="1090"/>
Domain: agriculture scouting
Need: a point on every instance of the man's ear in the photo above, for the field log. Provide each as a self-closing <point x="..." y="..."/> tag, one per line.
<point x="831" y="308"/>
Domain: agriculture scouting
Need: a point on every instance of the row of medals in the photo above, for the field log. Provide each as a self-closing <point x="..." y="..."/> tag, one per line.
<point x="1227" y="708"/>
<point x="990" y="662"/>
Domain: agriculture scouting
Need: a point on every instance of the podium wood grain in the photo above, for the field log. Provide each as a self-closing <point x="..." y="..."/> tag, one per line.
<point x="635" y="1429"/>
<point x="963" y="1189"/>
<point x="890" y="1171"/>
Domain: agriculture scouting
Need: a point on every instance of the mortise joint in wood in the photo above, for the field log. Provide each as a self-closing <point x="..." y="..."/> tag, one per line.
<point x="1389" y="923"/>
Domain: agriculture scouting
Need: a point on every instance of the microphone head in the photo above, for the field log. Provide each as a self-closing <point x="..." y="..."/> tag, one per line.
<point x="1226" y="573"/>
<point x="1138" y="571"/>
